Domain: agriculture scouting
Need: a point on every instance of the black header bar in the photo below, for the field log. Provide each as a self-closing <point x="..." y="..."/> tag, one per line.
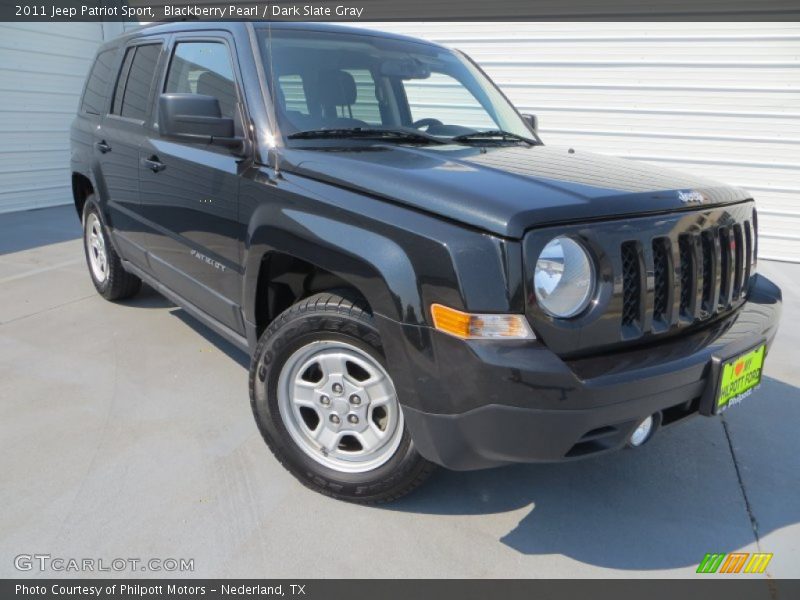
<point x="402" y="10"/>
<point x="746" y="587"/>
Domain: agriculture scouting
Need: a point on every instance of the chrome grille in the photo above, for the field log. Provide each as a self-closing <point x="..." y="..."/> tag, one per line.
<point x="657" y="275"/>
<point x="695" y="276"/>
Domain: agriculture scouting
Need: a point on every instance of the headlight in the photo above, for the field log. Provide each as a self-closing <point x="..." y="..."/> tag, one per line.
<point x="564" y="278"/>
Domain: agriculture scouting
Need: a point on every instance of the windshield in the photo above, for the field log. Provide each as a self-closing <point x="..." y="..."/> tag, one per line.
<point x="323" y="80"/>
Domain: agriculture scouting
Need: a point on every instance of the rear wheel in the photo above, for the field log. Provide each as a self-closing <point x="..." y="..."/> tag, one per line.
<point x="327" y="406"/>
<point x="109" y="277"/>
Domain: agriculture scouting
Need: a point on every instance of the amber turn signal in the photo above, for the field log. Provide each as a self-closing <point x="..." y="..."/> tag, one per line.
<point x="480" y="326"/>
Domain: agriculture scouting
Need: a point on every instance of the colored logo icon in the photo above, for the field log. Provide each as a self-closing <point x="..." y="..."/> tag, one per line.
<point x="735" y="562"/>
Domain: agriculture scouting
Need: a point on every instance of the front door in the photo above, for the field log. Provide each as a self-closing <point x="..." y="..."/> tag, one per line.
<point x="189" y="191"/>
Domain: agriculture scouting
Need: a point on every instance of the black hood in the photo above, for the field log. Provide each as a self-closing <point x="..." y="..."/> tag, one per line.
<point x="508" y="189"/>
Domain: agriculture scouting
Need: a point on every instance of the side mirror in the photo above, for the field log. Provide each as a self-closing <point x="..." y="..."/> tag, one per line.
<point x="195" y="118"/>
<point x="532" y="122"/>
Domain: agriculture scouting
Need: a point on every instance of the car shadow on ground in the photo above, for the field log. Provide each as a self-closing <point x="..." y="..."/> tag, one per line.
<point x="658" y="507"/>
<point x="147" y="298"/>
<point x="150" y="298"/>
<point x="29" y="229"/>
<point x="662" y="506"/>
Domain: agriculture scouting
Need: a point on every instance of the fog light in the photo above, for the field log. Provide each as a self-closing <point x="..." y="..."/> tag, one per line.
<point x="642" y="432"/>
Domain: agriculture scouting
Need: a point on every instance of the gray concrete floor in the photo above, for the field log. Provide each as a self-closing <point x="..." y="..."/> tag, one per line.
<point x="125" y="431"/>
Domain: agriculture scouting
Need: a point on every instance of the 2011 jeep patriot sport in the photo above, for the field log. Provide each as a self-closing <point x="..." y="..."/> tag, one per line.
<point x="418" y="278"/>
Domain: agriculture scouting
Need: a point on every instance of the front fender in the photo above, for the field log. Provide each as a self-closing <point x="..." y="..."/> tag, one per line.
<point x="401" y="260"/>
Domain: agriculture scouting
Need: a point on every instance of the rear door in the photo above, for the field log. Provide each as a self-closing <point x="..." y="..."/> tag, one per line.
<point x="93" y="107"/>
<point x="118" y="138"/>
<point x="189" y="191"/>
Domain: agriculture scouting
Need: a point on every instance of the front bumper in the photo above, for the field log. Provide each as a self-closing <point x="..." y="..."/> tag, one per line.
<point x="476" y="404"/>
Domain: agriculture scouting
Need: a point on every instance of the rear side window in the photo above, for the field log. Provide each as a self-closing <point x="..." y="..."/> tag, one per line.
<point x="96" y="93"/>
<point x="135" y="81"/>
<point x="203" y="68"/>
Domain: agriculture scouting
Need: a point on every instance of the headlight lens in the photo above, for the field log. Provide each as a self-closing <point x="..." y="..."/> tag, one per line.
<point x="564" y="278"/>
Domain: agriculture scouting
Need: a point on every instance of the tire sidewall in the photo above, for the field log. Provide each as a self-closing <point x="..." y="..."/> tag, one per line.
<point x="271" y="355"/>
<point x="90" y="208"/>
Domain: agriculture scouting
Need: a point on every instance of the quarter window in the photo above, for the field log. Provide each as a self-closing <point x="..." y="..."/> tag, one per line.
<point x="203" y="68"/>
<point x="94" y="98"/>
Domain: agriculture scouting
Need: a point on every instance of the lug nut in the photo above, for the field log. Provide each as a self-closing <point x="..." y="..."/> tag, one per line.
<point x="335" y="419"/>
<point x="337" y="388"/>
<point x="355" y="400"/>
<point x="325" y="401"/>
<point x="352" y="419"/>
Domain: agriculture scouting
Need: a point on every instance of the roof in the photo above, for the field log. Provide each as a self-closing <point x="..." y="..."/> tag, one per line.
<point x="199" y="25"/>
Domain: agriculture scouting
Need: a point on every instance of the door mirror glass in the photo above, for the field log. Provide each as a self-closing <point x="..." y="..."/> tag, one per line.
<point x="195" y="118"/>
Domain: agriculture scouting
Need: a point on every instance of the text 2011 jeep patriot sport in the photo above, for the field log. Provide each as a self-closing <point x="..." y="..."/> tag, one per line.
<point x="419" y="279"/>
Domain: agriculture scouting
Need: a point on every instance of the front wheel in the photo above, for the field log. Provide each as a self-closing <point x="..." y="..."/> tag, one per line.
<point x="327" y="406"/>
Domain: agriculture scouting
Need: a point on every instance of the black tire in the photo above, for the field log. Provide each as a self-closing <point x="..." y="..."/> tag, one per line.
<point x="326" y="317"/>
<point x="117" y="283"/>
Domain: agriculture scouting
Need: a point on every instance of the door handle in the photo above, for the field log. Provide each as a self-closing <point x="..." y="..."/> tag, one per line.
<point x="153" y="164"/>
<point x="103" y="147"/>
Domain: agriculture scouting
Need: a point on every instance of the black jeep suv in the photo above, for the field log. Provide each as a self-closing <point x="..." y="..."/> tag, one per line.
<point x="419" y="279"/>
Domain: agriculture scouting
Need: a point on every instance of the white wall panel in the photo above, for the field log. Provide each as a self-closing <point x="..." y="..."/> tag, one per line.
<point x="42" y="70"/>
<point x="716" y="99"/>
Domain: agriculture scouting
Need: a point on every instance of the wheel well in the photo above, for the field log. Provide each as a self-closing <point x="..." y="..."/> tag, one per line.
<point x="81" y="190"/>
<point x="284" y="280"/>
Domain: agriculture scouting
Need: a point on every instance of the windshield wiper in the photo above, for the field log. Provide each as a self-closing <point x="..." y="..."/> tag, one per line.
<point x="366" y="133"/>
<point x="505" y="136"/>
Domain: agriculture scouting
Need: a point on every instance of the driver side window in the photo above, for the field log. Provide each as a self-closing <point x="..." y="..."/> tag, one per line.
<point x="443" y="98"/>
<point x="203" y="68"/>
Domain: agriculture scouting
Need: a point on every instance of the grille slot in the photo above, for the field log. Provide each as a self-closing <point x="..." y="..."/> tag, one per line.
<point x="738" y="261"/>
<point x="709" y="274"/>
<point x="631" y="283"/>
<point x="661" y="278"/>
<point x="748" y="255"/>
<point x="755" y="237"/>
<point x="688" y="277"/>
<point x="724" y="267"/>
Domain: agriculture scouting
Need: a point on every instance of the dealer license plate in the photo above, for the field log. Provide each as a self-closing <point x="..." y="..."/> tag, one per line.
<point x="740" y="376"/>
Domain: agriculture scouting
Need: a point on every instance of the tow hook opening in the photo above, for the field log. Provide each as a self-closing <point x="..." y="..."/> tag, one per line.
<point x="644" y="430"/>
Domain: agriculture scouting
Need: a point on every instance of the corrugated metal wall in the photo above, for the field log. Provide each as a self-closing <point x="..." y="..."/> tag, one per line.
<point x="42" y="70"/>
<point x="716" y="99"/>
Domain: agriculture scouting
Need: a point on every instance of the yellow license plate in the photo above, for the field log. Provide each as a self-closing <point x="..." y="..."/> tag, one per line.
<point x="740" y="376"/>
